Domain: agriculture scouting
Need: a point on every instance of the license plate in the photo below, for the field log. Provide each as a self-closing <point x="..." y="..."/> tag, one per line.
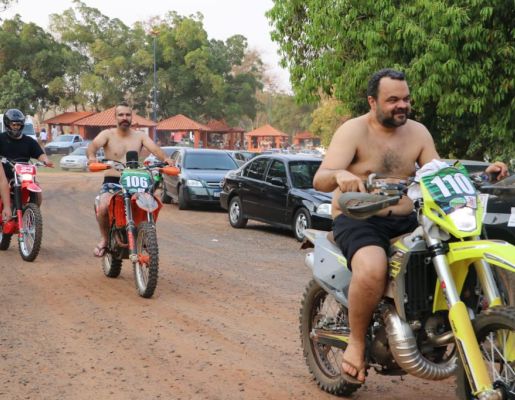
<point x="216" y="194"/>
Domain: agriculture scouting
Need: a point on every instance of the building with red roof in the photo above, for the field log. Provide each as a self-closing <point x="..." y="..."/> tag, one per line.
<point x="265" y="137"/>
<point x="68" y="119"/>
<point x="306" y="140"/>
<point x="225" y="136"/>
<point x="96" y="123"/>
<point x="172" y="130"/>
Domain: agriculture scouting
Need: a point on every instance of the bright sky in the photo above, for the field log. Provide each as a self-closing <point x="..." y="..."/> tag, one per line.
<point x="222" y="19"/>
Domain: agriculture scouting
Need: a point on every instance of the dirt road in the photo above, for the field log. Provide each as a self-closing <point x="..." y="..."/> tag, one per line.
<point x="223" y="323"/>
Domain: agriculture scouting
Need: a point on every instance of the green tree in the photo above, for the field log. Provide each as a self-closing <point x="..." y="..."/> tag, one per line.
<point x="328" y="116"/>
<point x="15" y="92"/>
<point x="36" y="58"/>
<point x="459" y="57"/>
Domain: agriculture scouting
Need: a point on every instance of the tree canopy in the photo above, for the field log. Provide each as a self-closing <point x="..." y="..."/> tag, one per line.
<point x="459" y="57"/>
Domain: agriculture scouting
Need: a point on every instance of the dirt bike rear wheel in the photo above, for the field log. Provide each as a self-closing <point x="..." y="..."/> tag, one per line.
<point x="33" y="227"/>
<point x="5" y="240"/>
<point x="493" y="327"/>
<point x="324" y="361"/>
<point x="147" y="267"/>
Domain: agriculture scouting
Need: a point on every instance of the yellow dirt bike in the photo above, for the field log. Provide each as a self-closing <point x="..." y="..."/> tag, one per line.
<point x="442" y="312"/>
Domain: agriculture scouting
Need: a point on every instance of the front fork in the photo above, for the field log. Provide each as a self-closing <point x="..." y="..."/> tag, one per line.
<point x="18" y="206"/>
<point x="131" y="228"/>
<point x="466" y="340"/>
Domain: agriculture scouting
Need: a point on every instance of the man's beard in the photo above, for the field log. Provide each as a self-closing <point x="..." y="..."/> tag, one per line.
<point x="390" y="121"/>
<point x="124" y="125"/>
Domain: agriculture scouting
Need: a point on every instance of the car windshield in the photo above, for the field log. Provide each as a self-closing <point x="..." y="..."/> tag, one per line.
<point x="221" y="161"/>
<point x="303" y="172"/>
<point x="81" y="151"/>
<point x="64" y="139"/>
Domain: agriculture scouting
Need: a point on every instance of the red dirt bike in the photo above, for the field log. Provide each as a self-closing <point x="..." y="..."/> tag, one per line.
<point x="133" y="212"/>
<point x="26" y="221"/>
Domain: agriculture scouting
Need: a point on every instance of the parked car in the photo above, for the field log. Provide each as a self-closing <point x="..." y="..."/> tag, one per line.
<point x="63" y="144"/>
<point x="277" y="189"/>
<point x="78" y="159"/>
<point x="242" y="156"/>
<point x="168" y="151"/>
<point x="199" y="181"/>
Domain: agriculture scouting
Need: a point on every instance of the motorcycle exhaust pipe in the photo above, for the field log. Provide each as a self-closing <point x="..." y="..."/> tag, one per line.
<point x="406" y="353"/>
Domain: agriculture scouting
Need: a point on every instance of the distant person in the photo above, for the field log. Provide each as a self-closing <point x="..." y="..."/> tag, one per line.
<point x="54" y="132"/>
<point x="43" y="136"/>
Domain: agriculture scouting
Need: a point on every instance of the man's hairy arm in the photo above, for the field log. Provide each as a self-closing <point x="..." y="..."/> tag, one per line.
<point x="333" y="170"/>
<point x="151" y="146"/>
<point x="428" y="151"/>
<point x="99" y="141"/>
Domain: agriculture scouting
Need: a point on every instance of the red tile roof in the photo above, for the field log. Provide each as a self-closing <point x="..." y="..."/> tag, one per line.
<point x="304" y="135"/>
<point x="67" y="118"/>
<point x="106" y="118"/>
<point x="266" y="130"/>
<point x="222" y="127"/>
<point x="180" y="122"/>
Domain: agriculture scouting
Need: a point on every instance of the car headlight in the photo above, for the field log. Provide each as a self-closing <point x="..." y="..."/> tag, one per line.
<point x="324" y="209"/>
<point x="464" y="218"/>
<point x="193" y="183"/>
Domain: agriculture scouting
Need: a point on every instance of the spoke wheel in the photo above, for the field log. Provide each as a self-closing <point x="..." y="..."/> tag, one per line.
<point x="495" y="332"/>
<point x="147" y="267"/>
<point x="319" y="310"/>
<point x="32" y="234"/>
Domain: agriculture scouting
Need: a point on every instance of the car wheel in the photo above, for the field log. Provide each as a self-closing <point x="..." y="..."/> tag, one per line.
<point x="301" y="222"/>
<point x="183" y="203"/>
<point x="236" y="218"/>
<point x="165" y="198"/>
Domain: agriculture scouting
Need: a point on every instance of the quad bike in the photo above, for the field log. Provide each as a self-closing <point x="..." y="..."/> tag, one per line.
<point x="133" y="212"/>
<point x="431" y="322"/>
<point x="26" y="221"/>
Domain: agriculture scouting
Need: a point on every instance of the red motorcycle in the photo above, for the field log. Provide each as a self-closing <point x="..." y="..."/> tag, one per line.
<point x="133" y="213"/>
<point x="26" y="220"/>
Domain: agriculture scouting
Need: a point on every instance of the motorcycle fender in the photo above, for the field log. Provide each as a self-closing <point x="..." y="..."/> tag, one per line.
<point x="330" y="268"/>
<point x="34" y="188"/>
<point x="462" y="254"/>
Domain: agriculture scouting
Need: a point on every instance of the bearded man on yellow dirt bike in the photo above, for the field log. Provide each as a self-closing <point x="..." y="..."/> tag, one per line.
<point x="387" y="142"/>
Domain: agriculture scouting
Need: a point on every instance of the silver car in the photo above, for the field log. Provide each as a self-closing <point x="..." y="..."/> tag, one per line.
<point x="78" y="159"/>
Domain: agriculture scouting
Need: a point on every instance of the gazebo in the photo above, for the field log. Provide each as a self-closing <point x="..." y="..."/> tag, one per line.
<point x="224" y="136"/>
<point x="264" y="138"/>
<point x="306" y="140"/>
<point x="96" y="123"/>
<point x="172" y="130"/>
<point x="68" y="118"/>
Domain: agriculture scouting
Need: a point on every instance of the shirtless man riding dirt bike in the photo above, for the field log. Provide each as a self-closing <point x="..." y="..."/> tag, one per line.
<point x="116" y="143"/>
<point x="387" y="142"/>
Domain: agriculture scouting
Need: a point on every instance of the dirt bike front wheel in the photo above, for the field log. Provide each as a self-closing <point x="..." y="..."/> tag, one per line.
<point x="320" y="312"/>
<point x="147" y="267"/>
<point x="495" y="332"/>
<point x="30" y="242"/>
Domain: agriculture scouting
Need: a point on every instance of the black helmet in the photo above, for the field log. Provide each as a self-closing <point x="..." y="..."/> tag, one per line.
<point x="10" y="116"/>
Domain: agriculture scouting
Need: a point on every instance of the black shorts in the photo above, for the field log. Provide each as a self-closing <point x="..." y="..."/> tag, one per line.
<point x="353" y="234"/>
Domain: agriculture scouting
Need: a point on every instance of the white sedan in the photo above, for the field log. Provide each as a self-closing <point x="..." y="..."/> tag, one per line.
<point x="78" y="159"/>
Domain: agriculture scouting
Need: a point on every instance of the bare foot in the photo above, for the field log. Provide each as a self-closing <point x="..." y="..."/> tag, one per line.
<point x="353" y="365"/>
<point x="100" y="248"/>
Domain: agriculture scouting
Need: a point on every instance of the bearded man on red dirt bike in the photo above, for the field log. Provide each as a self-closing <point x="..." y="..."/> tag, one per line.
<point x="17" y="147"/>
<point x="116" y="143"/>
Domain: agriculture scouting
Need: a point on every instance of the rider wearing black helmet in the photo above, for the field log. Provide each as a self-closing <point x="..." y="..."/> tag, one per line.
<point x="16" y="146"/>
